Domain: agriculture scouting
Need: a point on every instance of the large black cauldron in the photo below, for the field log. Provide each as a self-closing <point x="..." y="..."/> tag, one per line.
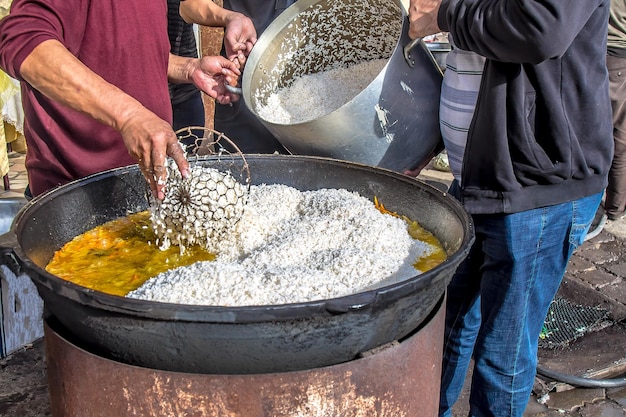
<point x="235" y="340"/>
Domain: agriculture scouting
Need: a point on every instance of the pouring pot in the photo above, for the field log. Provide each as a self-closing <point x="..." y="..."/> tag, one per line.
<point x="393" y="122"/>
<point x="234" y="340"/>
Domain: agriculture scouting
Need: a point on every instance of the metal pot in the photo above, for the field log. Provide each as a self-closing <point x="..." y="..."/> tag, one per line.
<point x="392" y="123"/>
<point x="440" y="51"/>
<point x="235" y="340"/>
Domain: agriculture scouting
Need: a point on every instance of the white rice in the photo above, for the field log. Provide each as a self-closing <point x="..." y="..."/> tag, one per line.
<point x="292" y="246"/>
<point x="315" y="95"/>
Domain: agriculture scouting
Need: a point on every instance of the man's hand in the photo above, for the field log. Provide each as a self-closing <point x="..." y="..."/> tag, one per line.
<point x="416" y="171"/>
<point x="423" y="18"/>
<point x="239" y="34"/>
<point x="150" y="140"/>
<point x="239" y="37"/>
<point x="211" y="74"/>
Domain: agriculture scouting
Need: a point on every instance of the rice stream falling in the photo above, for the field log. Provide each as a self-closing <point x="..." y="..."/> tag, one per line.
<point x="295" y="246"/>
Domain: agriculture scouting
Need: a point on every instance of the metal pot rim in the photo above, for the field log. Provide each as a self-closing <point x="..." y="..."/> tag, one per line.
<point x="361" y="301"/>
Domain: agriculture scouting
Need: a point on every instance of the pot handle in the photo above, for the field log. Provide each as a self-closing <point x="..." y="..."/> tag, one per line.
<point x="234" y="90"/>
<point x="407" y="51"/>
<point x="8" y="242"/>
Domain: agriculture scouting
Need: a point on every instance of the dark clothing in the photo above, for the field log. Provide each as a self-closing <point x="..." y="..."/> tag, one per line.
<point x="63" y="144"/>
<point x="616" y="40"/>
<point x="189" y="113"/>
<point x="261" y="12"/>
<point x="615" y="201"/>
<point x="236" y="120"/>
<point x="186" y="99"/>
<point x="241" y="126"/>
<point x="548" y="60"/>
<point x="183" y="43"/>
<point x="535" y="164"/>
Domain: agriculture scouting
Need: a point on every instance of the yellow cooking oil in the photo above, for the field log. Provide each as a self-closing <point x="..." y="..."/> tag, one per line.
<point x="430" y="260"/>
<point x="119" y="256"/>
<point x="436" y="256"/>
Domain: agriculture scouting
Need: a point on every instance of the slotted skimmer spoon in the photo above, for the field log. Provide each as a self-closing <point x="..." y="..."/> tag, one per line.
<point x="201" y="208"/>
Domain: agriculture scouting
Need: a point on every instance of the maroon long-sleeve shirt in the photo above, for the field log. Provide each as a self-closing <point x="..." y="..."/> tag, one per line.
<point x="123" y="41"/>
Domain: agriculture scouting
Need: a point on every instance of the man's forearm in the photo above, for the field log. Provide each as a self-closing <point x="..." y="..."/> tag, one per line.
<point x="204" y="12"/>
<point x="54" y="71"/>
<point x="178" y="69"/>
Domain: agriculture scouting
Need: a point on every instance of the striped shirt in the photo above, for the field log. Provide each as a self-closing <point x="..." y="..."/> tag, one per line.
<point x="182" y="43"/>
<point x="459" y="92"/>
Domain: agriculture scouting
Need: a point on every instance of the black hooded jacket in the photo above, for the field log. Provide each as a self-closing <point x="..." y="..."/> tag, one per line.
<point x="542" y="129"/>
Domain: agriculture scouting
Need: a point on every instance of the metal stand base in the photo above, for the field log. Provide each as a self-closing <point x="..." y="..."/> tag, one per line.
<point x="399" y="380"/>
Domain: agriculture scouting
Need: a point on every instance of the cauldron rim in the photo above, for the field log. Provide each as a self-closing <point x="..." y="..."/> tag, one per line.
<point x="369" y="299"/>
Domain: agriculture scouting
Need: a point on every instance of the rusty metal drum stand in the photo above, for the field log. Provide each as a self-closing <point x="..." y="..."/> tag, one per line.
<point x="399" y="380"/>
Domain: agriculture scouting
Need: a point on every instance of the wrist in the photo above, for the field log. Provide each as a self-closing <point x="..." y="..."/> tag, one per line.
<point x="231" y="16"/>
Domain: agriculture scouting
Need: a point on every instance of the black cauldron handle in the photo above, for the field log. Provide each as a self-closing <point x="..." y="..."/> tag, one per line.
<point x="8" y="243"/>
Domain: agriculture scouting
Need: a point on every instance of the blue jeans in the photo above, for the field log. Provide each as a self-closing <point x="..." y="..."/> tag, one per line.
<point x="498" y="299"/>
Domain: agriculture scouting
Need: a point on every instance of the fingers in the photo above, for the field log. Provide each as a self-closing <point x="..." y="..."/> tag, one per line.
<point x="212" y="74"/>
<point x="153" y="169"/>
<point x="150" y="140"/>
<point x="158" y="172"/>
<point x="155" y="176"/>
<point x="147" y="174"/>
<point x="227" y="98"/>
<point x="159" y="175"/>
<point x="231" y="78"/>
<point x="152" y="161"/>
<point x="241" y="60"/>
<point x="244" y="47"/>
<point x="176" y="152"/>
<point x="249" y="45"/>
<point x="233" y="67"/>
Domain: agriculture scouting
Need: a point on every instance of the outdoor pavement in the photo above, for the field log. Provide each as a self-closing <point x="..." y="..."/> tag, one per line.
<point x="595" y="278"/>
<point x="17" y="177"/>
